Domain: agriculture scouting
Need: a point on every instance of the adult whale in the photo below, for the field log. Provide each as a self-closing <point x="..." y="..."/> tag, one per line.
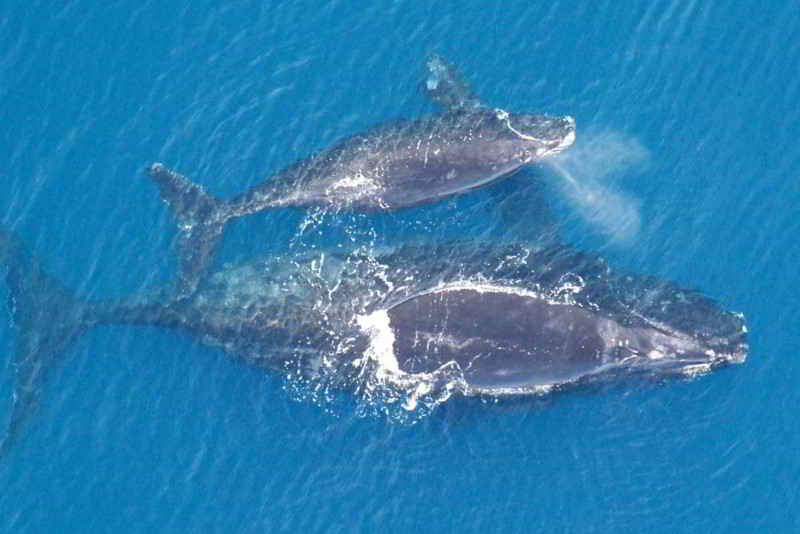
<point x="395" y="165"/>
<point x="417" y="323"/>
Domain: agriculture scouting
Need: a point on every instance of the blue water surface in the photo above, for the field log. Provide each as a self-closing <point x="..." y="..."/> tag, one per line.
<point x="687" y="117"/>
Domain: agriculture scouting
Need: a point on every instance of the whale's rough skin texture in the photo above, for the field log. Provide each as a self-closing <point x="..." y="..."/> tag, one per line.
<point x="405" y="163"/>
<point x="395" y="165"/>
<point x="510" y="319"/>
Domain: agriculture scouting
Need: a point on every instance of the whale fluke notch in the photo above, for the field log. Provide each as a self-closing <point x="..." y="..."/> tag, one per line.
<point x="201" y="221"/>
<point x="446" y="86"/>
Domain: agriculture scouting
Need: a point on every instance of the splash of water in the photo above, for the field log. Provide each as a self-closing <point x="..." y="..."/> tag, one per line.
<point x="584" y="175"/>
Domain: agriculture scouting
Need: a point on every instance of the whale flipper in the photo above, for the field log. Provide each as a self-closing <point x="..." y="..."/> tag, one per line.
<point x="201" y="221"/>
<point x="48" y="319"/>
<point x="446" y="86"/>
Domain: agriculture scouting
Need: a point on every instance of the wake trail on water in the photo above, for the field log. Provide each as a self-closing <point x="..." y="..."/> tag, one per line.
<point x="584" y="176"/>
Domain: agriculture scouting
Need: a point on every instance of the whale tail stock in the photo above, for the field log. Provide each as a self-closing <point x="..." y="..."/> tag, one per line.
<point x="48" y="319"/>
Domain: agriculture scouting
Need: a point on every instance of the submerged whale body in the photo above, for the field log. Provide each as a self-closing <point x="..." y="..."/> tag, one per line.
<point x="415" y="321"/>
<point x="396" y="165"/>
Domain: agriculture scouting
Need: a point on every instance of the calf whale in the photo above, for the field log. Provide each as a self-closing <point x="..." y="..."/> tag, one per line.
<point x="417" y="323"/>
<point x="395" y="165"/>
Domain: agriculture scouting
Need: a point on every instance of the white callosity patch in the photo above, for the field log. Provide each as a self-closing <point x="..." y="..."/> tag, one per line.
<point x="696" y="369"/>
<point x="545" y="150"/>
<point x="569" y="139"/>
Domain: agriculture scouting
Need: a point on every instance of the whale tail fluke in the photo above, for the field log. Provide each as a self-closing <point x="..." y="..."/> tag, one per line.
<point x="201" y="221"/>
<point x="48" y="319"/>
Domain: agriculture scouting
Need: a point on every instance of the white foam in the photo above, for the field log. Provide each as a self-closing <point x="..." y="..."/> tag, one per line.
<point x="381" y="349"/>
<point x="412" y="388"/>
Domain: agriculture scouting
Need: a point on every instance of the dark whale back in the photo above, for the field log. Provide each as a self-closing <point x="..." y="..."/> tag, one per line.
<point x="500" y="339"/>
<point x="403" y="163"/>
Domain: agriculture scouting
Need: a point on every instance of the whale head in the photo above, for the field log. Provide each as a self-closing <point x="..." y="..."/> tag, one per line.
<point x="710" y="344"/>
<point x="547" y="135"/>
<point x="671" y="330"/>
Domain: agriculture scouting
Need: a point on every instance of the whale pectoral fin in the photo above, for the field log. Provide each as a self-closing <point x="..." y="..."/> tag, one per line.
<point x="446" y="86"/>
<point x="201" y="221"/>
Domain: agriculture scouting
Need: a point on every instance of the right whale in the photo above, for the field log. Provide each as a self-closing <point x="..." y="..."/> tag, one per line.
<point x="413" y="324"/>
<point x="398" y="164"/>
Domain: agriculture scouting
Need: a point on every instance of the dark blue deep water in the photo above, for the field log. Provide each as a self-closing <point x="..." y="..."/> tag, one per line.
<point x="688" y="164"/>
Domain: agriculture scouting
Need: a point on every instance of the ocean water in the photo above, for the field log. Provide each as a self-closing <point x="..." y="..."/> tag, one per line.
<point x="685" y="166"/>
